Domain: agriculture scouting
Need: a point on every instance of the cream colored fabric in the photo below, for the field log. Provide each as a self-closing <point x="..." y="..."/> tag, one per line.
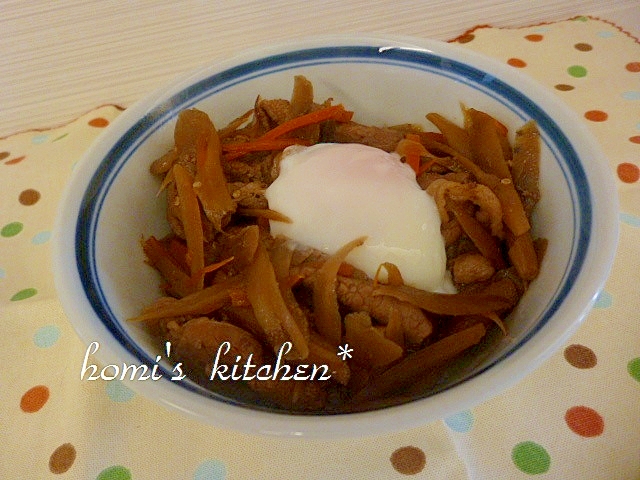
<point x="578" y="416"/>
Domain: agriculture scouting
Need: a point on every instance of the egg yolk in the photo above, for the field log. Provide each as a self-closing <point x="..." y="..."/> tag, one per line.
<point x="334" y="193"/>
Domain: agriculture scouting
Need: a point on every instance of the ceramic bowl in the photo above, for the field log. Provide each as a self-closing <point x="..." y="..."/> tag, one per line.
<point x="111" y="202"/>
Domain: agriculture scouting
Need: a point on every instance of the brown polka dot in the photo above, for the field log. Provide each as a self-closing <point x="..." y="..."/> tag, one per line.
<point x="580" y="356"/>
<point x="635" y="139"/>
<point x="596" y="115"/>
<point x="34" y="399"/>
<point x="517" y="62"/>
<point x="583" y="47"/>
<point x="408" y="460"/>
<point x="62" y="458"/>
<point x="633" y="67"/>
<point x="628" y="172"/>
<point x="29" y="197"/>
<point x="4" y="155"/>
<point x="584" y="421"/>
<point x="466" y="38"/>
<point x="99" y="122"/>
<point x="563" y="87"/>
<point x="534" y="37"/>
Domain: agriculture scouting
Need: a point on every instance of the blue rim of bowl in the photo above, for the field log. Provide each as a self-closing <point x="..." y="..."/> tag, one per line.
<point x="411" y="58"/>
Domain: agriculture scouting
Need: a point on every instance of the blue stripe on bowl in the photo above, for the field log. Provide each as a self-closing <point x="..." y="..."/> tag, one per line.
<point x="489" y="85"/>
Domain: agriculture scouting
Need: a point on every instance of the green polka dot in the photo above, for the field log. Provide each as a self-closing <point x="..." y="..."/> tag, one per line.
<point x="531" y="458"/>
<point x="41" y="237"/>
<point x="210" y="470"/>
<point x="38" y="139"/>
<point x="577" y="71"/>
<point x="116" y="472"/>
<point x="604" y="300"/>
<point x="46" y="336"/>
<point x="633" y="367"/>
<point x="118" y="391"/>
<point x="11" y="229"/>
<point x="24" y="294"/>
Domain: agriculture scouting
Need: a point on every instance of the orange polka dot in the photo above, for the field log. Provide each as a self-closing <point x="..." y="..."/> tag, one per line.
<point x="517" y="62"/>
<point x="534" y="37"/>
<point x="628" y="172"/>
<point x="4" y="155"/>
<point x="98" y="122"/>
<point x="635" y="139"/>
<point x="466" y="38"/>
<point x="13" y="161"/>
<point x="34" y="399"/>
<point x="584" y="421"/>
<point x="596" y="115"/>
<point x="633" y="66"/>
<point x="563" y="87"/>
<point x="408" y="460"/>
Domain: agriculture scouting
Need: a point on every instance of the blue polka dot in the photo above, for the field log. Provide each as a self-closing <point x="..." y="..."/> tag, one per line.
<point x="3" y="273"/>
<point x="40" y="238"/>
<point x="118" y="391"/>
<point x="38" y="139"/>
<point x="629" y="219"/>
<point x="210" y="470"/>
<point x="605" y="34"/>
<point x="46" y="336"/>
<point x="604" y="300"/>
<point x="631" y="95"/>
<point x="460" y="422"/>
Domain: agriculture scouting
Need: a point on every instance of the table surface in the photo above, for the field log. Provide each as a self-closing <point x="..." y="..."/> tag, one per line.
<point x="69" y="68"/>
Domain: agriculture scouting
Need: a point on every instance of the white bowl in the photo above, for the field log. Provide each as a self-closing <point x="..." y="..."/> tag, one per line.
<point x="110" y="203"/>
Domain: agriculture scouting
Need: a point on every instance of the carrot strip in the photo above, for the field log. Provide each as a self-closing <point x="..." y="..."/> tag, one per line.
<point x="332" y="112"/>
<point x="272" y="139"/>
<point x="411" y="149"/>
<point x="192" y="223"/>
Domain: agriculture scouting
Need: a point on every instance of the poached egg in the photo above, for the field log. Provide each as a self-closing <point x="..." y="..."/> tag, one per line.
<point x="334" y="193"/>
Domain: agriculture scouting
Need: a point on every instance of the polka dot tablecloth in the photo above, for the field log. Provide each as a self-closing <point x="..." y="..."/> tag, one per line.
<point x="577" y="417"/>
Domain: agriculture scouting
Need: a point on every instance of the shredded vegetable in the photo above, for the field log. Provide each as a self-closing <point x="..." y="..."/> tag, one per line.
<point x="226" y="278"/>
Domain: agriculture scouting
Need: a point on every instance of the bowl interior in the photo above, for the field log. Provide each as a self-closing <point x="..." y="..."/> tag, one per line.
<point x="383" y="86"/>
